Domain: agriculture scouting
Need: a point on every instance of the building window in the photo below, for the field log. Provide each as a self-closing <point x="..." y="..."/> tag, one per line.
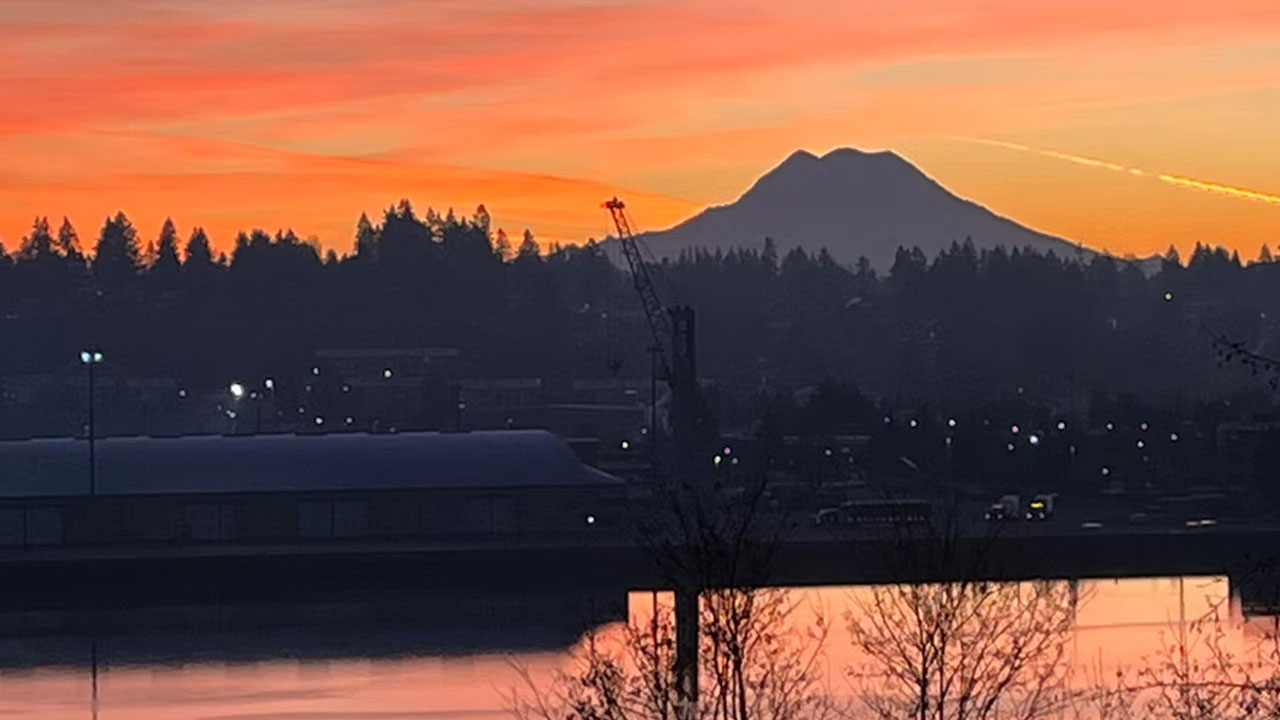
<point x="339" y="519"/>
<point x="315" y="519"/>
<point x="31" y="526"/>
<point x="12" y="526"/>
<point x="208" y="522"/>
<point x="350" y="518"/>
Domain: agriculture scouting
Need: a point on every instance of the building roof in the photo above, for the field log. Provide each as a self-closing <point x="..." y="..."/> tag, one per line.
<point x="294" y="463"/>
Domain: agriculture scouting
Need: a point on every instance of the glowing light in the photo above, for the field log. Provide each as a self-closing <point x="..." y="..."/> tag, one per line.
<point x="269" y="384"/>
<point x="1106" y="470"/>
<point x="1009" y="447"/>
<point x="1110" y="427"/>
<point x="1173" y="437"/>
<point x="591" y="519"/>
<point x="625" y="445"/>
<point x="1061" y="426"/>
<point x="951" y="422"/>
<point x="1141" y="444"/>
<point x="1034" y="439"/>
<point x="386" y="373"/>
<point x="319" y="420"/>
<point x="348" y="420"/>
<point x="1144" y="427"/>
<point x="913" y="423"/>
<point x="315" y="370"/>
<point x="727" y="450"/>
<point x="237" y="390"/>
<point x="1015" y="430"/>
<point x="1168" y="296"/>
<point x="887" y="419"/>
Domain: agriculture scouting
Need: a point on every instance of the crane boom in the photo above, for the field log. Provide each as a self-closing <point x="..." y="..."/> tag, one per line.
<point x="655" y="313"/>
<point x="672" y="330"/>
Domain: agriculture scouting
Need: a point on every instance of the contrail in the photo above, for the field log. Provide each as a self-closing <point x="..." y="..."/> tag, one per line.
<point x="1177" y="180"/>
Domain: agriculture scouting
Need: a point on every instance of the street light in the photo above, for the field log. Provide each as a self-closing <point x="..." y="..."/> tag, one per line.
<point x="91" y="358"/>
<point x="237" y="390"/>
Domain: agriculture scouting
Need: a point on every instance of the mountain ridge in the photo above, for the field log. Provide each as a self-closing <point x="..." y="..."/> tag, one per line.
<point x="854" y="203"/>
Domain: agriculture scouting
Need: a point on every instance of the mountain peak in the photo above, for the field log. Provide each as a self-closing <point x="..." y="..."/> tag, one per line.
<point x="848" y="154"/>
<point x="800" y="158"/>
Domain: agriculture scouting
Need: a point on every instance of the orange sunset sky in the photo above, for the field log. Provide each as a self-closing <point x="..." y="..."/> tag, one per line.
<point x="304" y="113"/>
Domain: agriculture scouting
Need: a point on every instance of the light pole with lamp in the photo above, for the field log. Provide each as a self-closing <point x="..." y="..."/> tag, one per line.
<point x="91" y="358"/>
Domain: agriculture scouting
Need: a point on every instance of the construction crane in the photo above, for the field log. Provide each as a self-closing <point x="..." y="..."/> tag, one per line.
<point x="674" y="340"/>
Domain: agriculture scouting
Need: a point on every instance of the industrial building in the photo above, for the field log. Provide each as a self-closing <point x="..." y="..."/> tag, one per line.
<point x="270" y="489"/>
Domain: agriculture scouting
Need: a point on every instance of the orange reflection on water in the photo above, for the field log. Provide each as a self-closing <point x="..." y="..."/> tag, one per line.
<point x="1120" y="623"/>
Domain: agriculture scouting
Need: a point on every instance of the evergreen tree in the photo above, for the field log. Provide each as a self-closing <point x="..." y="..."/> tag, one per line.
<point x="39" y="244"/>
<point x="502" y="245"/>
<point x="68" y="243"/>
<point x="167" y="247"/>
<point x="1264" y="255"/>
<point x="116" y="258"/>
<point x="481" y="219"/>
<point x="198" y="252"/>
<point x="366" y="238"/>
<point x="529" y="247"/>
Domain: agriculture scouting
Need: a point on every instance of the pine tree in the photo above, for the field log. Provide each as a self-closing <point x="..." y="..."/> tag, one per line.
<point x="502" y="245"/>
<point x="1264" y="255"/>
<point x="39" y="244"/>
<point x="482" y="219"/>
<point x="366" y="238"/>
<point x="68" y="243"/>
<point x="198" y="253"/>
<point x="116" y="259"/>
<point x="165" y="263"/>
<point x="528" y="247"/>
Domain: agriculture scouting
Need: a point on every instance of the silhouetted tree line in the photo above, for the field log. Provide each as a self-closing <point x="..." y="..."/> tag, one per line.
<point x="965" y="329"/>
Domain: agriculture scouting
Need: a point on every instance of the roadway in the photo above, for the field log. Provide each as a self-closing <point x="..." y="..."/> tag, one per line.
<point x="612" y="561"/>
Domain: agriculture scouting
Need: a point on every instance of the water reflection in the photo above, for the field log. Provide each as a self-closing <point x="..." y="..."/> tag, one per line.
<point x="438" y="658"/>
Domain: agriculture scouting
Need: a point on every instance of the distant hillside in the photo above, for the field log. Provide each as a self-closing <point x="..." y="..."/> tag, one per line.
<point x="853" y="203"/>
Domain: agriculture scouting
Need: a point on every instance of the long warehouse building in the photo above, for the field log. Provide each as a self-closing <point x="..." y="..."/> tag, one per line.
<point x="291" y="488"/>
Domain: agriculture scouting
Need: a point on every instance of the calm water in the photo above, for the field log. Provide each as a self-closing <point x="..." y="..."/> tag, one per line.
<point x="337" y="664"/>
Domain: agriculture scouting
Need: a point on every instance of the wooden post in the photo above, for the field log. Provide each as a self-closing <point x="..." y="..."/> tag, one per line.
<point x="687" y="631"/>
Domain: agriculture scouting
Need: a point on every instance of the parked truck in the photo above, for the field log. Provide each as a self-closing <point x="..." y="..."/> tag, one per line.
<point x="1004" y="509"/>
<point x="1041" y="506"/>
